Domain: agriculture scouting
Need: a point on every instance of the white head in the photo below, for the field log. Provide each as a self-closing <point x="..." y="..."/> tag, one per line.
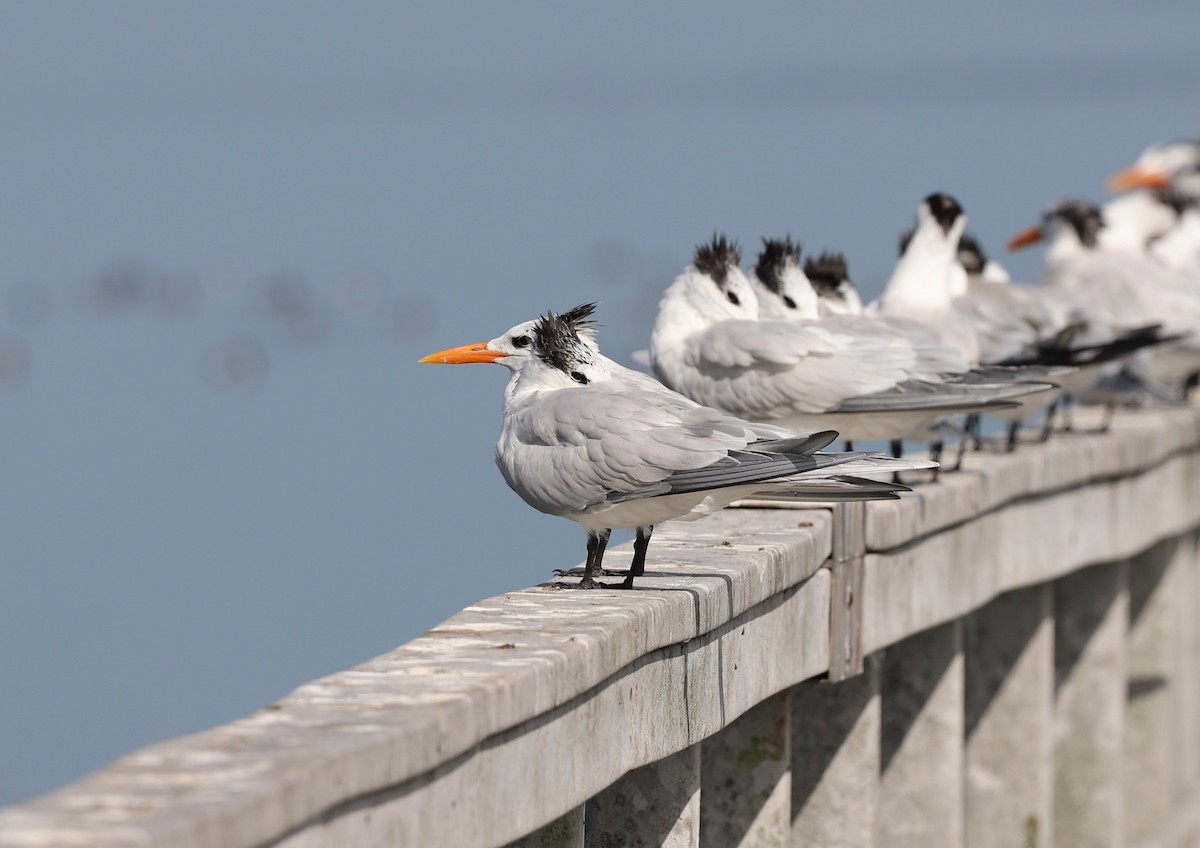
<point x="1158" y="165"/>
<point x="830" y="278"/>
<point x="783" y="289"/>
<point x="1070" y="227"/>
<point x="1137" y="218"/>
<point x="711" y="289"/>
<point x="927" y="276"/>
<point x="550" y="352"/>
<point x="977" y="264"/>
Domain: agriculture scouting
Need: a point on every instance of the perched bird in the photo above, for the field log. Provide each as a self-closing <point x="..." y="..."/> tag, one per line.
<point x="1122" y="285"/>
<point x="1155" y="167"/>
<point x="980" y="267"/>
<point x="1169" y="173"/>
<point x="830" y="278"/>
<point x="928" y="276"/>
<point x="787" y="292"/>
<point x="710" y="343"/>
<point x="589" y="440"/>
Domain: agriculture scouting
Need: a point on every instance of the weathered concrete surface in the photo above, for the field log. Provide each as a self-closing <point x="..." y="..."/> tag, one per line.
<point x="1090" y="614"/>
<point x="1186" y="663"/>
<point x="921" y="741"/>
<point x="443" y="741"/>
<point x="1138" y="440"/>
<point x="846" y="655"/>
<point x="637" y="675"/>
<point x="655" y="805"/>
<point x="746" y="780"/>
<point x="1006" y="544"/>
<point x="835" y="761"/>
<point x="1009" y="649"/>
<point x="1150" y="678"/>
<point x="564" y="832"/>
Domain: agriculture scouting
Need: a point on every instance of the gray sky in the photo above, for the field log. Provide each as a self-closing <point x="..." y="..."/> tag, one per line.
<point x="178" y="554"/>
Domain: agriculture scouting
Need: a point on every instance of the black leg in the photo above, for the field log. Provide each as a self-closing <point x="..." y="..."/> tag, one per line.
<point x="897" y="449"/>
<point x="849" y="445"/>
<point x="1012" y="435"/>
<point x="1068" y="413"/>
<point x="638" y="567"/>
<point x="596" y="544"/>
<point x="935" y="454"/>
<point x="973" y="431"/>
<point x="1048" y="424"/>
<point x="962" y="450"/>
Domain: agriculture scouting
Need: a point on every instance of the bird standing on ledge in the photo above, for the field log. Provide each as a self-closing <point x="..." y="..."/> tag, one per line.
<point x="608" y="447"/>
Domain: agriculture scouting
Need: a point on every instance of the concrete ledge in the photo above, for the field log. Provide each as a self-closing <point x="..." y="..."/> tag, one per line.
<point x="444" y="741"/>
<point x="1137" y="441"/>
<point x="946" y="575"/>
<point x="435" y="711"/>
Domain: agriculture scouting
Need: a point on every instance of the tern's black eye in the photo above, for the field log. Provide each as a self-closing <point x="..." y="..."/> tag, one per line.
<point x="520" y="341"/>
<point x="733" y="298"/>
<point x="788" y="302"/>
<point x="579" y="377"/>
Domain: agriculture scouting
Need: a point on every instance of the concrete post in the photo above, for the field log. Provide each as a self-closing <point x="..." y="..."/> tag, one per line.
<point x="745" y="780"/>
<point x="921" y="746"/>
<point x="564" y="832"/>
<point x="1009" y="649"/>
<point x="1186" y="686"/>
<point x="1149" y="719"/>
<point x="835" y="761"/>
<point x="1090" y="614"/>
<point x="656" y="805"/>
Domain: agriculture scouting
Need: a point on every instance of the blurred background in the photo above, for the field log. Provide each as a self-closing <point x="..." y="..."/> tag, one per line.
<point x="228" y="231"/>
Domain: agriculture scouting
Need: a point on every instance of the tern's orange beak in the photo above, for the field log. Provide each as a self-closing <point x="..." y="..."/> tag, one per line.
<point x="1025" y="238"/>
<point x="462" y="355"/>
<point x="1138" y="177"/>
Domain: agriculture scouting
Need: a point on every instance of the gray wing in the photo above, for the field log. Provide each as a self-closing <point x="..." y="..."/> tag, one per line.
<point x="944" y="397"/>
<point x="772" y="369"/>
<point x="569" y="449"/>
<point x="933" y="357"/>
<point x="999" y="315"/>
<point x="738" y="468"/>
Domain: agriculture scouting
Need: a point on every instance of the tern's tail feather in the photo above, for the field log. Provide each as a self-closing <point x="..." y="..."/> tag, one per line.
<point x="1061" y="351"/>
<point x="869" y="463"/>
<point x="941" y="397"/>
<point x="844" y="487"/>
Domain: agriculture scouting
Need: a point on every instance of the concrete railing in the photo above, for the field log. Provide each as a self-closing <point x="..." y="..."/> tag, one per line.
<point x="1010" y="657"/>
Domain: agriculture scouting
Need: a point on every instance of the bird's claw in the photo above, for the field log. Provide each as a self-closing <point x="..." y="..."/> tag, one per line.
<point x="575" y="572"/>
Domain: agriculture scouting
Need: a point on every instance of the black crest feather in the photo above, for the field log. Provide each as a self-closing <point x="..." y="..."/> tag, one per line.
<point x="970" y="254"/>
<point x="717" y="257"/>
<point x="556" y="337"/>
<point x="774" y="258"/>
<point x="946" y="210"/>
<point x="1083" y="216"/>
<point x="826" y="272"/>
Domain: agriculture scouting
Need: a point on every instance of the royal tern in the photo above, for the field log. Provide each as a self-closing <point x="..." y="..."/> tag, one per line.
<point x="1126" y="288"/>
<point x="1172" y="172"/>
<point x="786" y="291"/>
<point x="589" y="440"/>
<point x="1156" y="165"/>
<point x="830" y="277"/>
<point x="710" y="344"/>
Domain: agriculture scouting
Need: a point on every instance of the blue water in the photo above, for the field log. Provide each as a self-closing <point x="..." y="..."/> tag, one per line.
<point x="227" y="233"/>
